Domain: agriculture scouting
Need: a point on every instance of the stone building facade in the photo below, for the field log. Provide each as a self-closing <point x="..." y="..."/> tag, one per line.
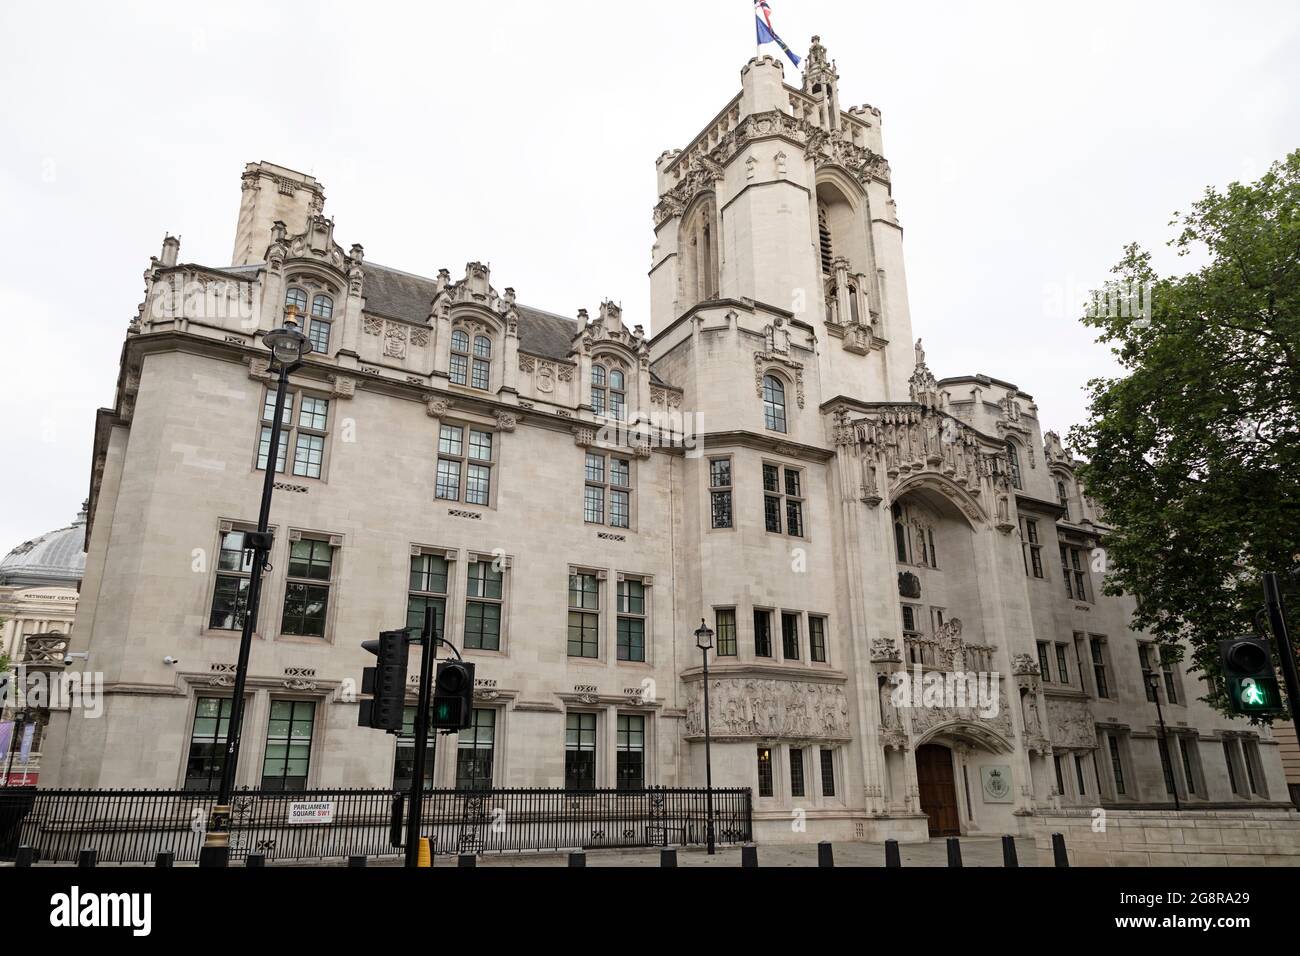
<point x="39" y="581"/>
<point x="573" y="496"/>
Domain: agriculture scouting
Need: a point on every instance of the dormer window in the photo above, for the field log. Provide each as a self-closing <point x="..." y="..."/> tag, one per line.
<point x="470" y="369"/>
<point x="608" y="392"/>
<point x="482" y="366"/>
<point x="318" y="329"/>
<point x="773" y="404"/>
<point x="1063" y="497"/>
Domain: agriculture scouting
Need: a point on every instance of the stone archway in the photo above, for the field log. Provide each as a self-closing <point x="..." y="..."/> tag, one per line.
<point x="938" y="787"/>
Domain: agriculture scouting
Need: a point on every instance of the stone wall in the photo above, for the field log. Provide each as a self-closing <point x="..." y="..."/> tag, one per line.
<point x="1168" y="838"/>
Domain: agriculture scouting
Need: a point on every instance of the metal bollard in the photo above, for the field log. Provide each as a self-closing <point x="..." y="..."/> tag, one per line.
<point x="165" y="859"/>
<point x="825" y="855"/>
<point x="892" y="857"/>
<point x="214" y="857"/>
<point x="668" y="857"/>
<point x="256" y="859"/>
<point x="1009" y="851"/>
<point x="87" y="859"/>
<point x="25" y="856"/>
<point x="954" y="851"/>
<point x="578" y="859"/>
<point x="749" y="855"/>
<point x="1059" y="856"/>
<point x="356" y="861"/>
<point x="467" y="860"/>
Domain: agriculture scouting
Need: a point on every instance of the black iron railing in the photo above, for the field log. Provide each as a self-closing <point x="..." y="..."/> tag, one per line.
<point x="133" y="826"/>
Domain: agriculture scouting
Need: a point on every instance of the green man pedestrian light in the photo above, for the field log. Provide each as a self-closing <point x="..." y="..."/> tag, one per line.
<point x="1248" y="674"/>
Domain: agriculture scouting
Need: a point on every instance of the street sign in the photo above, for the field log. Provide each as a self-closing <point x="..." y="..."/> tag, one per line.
<point x="312" y="811"/>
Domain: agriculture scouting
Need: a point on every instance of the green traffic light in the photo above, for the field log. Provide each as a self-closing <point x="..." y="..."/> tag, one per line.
<point x="1252" y="695"/>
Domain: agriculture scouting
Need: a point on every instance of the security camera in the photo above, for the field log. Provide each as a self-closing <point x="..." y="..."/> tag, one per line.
<point x="171" y="660"/>
<point x="67" y="660"/>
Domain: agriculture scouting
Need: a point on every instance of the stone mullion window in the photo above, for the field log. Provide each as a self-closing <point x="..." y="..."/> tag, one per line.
<point x="630" y="769"/>
<point x="484" y="590"/>
<point x="790" y="636"/>
<point x="307" y="588"/>
<point x="1097" y="650"/>
<point x="234" y="574"/>
<point x="584" y="615"/>
<point x="725" y="624"/>
<point x="474" y="751"/>
<point x="762" y="632"/>
<point x="465" y="461"/>
<point x="207" y="753"/>
<point x="404" y="755"/>
<point x="783" y="500"/>
<point x="720" y="493"/>
<point x="309" y="441"/>
<point x="580" y="751"/>
<point x="607" y="490"/>
<point x="288" y="745"/>
<point x="427" y="587"/>
<point x="286" y="430"/>
<point x="817" y="639"/>
<point x="318" y="327"/>
<point x="631" y="620"/>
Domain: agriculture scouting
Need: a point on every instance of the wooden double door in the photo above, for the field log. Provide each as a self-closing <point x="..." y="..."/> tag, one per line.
<point x="934" y="777"/>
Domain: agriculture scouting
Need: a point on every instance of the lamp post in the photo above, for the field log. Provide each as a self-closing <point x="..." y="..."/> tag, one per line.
<point x="1154" y="682"/>
<point x="288" y="347"/>
<point x="704" y="641"/>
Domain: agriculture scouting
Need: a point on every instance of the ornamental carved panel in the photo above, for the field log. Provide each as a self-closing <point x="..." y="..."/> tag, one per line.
<point x="1070" y="724"/>
<point x="764" y="708"/>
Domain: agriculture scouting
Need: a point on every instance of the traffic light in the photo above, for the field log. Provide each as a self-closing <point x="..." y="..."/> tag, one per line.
<point x="453" y="696"/>
<point x="1248" y="674"/>
<point x="385" y="682"/>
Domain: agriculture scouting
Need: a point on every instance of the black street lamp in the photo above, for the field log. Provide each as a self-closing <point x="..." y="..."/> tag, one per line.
<point x="704" y="641"/>
<point x="288" y="347"/>
<point x="1168" y="756"/>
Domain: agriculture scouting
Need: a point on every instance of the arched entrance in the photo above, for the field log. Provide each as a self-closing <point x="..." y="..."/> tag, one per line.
<point x="934" y="778"/>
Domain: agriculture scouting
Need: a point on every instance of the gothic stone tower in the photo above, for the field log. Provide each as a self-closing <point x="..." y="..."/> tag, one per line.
<point x="780" y="308"/>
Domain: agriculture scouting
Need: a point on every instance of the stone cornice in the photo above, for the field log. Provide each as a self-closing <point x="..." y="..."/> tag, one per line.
<point x="764" y="442"/>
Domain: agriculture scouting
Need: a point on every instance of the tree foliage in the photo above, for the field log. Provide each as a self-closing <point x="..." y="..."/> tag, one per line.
<point x="1193" y="453"/>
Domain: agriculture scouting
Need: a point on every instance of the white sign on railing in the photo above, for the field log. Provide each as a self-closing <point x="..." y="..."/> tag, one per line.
<point x="316" y="811"/>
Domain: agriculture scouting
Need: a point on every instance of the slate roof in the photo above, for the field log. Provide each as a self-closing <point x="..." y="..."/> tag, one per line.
<point x="395" y="294"/>
<point x="400" y="295"/>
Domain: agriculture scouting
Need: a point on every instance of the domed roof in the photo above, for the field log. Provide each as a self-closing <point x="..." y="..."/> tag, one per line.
<point x="55" y="558"/>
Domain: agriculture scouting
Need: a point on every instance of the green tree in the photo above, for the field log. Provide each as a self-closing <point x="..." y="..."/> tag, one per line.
<point x="1193" y="452"/>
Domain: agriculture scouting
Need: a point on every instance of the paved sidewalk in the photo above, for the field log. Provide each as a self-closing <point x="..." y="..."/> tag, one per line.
<point x="975" y="851"/>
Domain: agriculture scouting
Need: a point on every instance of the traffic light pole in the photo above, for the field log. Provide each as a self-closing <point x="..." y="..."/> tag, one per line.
<point x="429" y="651"/>
<point x="1285" y="650"/>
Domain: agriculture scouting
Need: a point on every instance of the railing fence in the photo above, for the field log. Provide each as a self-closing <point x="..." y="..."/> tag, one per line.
<point x="133" y="826"/>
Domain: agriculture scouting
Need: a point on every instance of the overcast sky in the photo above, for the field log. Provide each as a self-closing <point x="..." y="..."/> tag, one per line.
<point x="1029" y="141"/>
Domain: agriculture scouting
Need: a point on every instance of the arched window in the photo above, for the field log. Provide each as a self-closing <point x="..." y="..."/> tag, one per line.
<point x="1013" y="459"/>
<point x="482" y="367"/>
<point x="318" y="328"/>
<point x="459" y="371"/>
<point x="900" y="535"/>
<point x="824" y="240"/>
<point x="599" y="379"/>
<point x="296" y="299"/>
<point x="617" y="395"/>
<point x="700" y="253"/>
<point x="1063" y="496"/>
<point x="773" y="404"/>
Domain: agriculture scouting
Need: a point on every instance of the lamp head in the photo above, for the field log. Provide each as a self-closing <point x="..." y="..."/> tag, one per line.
<point x="703" y="636"/>
<point x="287" y="343"/>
